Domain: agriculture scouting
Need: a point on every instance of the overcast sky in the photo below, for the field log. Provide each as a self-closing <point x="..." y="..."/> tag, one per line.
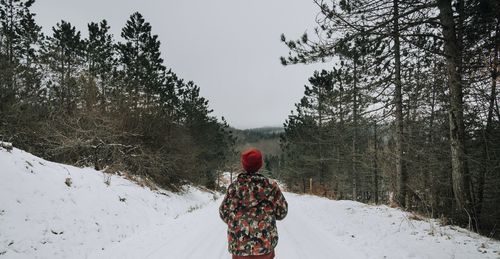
<point x="230" y="48"/>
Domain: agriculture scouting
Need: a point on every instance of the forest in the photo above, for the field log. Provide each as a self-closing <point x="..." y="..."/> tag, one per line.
<point x="408" y="115"/>
<point x="104" y="102"/>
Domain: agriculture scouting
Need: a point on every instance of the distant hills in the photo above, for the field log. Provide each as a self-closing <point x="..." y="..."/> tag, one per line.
<point x="264" y="138"/>
<point x="267" y="130"/>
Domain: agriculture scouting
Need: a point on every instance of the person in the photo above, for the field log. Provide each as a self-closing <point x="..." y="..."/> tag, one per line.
<point x="250" y="209"/>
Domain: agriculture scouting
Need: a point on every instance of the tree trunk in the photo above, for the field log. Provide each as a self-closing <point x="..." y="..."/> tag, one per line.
<point x="398" y="99"/>
<point x="375" y="163"/>
<point x="321" y="170"/>
<point x="355" y="177"/>
<point x="433" y="194"/>
<point x="487" y="132"/>
<point x="460" y="175"/>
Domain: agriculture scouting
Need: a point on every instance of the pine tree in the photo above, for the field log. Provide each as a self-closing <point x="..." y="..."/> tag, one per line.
<point x="143" y="70"/>
<point x="100" y="60"/>
<point x="319" y="137"/>
<point x="63" y="56"/>
<point x="17" y="36"/>
<point x="22" y="95"/>
<point x="31" y="90"/>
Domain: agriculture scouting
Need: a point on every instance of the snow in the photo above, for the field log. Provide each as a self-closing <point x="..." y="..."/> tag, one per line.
<point x="6" y="145"/>
<point x="356" y="230"/>
<point x="42" y="217"/>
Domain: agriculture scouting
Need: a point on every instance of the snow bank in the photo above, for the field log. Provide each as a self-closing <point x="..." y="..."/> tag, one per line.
<point x="50" y="210"/>
<point x="382" y="232"/>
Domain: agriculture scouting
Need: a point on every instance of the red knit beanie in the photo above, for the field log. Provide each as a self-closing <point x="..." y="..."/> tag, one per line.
<point x="251" y="160"/>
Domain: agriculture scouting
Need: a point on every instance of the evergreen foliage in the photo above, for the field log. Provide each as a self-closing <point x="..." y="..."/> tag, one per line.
<point x="111" y="105"/>
<point x="415" y="107"/>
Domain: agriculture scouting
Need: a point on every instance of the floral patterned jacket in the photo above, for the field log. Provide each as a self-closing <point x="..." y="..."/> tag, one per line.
<point x="250" y="209"/>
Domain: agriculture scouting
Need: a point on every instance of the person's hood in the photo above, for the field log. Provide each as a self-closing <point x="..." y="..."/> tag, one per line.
<point x="251" y="189"/>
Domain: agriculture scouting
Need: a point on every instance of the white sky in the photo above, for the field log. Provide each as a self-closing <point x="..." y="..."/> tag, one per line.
<point x="230" y="48"/>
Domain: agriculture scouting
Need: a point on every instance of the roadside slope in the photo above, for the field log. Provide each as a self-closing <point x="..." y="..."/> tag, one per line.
<point x="42" y="217"/>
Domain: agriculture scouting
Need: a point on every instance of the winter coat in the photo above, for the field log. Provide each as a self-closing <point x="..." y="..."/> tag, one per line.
<point x="250" y="209"/>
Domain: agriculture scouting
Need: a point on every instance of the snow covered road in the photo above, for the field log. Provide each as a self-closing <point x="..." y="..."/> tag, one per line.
<point x="201" y="234"/>
<point x="314" y="228"/>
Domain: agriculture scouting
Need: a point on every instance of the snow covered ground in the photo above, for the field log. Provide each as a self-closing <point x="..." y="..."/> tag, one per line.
<point x="42" y="217"/>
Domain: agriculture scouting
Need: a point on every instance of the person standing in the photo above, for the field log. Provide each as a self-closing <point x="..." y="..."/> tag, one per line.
<point x="250" y="209"/>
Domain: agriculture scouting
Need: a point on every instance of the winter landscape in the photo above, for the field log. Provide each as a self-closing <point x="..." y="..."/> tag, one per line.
<point x="289" y="129"/>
